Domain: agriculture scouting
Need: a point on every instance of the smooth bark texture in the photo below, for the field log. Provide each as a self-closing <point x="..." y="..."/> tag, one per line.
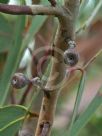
<point x="30" y="10"/>
<point x="65" y="30"/>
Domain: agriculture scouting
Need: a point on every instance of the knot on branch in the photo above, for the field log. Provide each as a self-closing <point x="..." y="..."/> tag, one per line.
<point x="45" y="126"/>
<point x="53" y="2"/>
<point x="70" y="43"/>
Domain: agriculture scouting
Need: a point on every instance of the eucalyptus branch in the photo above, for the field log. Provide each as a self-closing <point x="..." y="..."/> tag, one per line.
<point x="66" y="30"/>
<point x="67" y="15"/>
<point x="30" y="10"/>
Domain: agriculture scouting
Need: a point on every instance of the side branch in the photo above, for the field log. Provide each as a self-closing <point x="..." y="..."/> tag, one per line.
<point x="30" y="10"/>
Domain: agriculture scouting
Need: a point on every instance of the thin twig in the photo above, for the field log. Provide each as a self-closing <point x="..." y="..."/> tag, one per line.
<point x="92" y="59"/>
<point x="33" y="114"/>
<point x="78" y="98"/>
<point x="22" y="101"/>
<point x="30" y="10"/>
<point x="13" y="99"/>
<point x="86" y="65"/>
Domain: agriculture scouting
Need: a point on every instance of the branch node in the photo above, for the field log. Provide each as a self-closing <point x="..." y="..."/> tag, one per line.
<point x="45" y="128"/>
<point x="53" y="2"/>
<point x="71" y="43"/>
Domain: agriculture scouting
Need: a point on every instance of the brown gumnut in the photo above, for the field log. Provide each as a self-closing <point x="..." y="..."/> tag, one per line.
<point x="19" y="80"/>
<point x="71" y="57"/>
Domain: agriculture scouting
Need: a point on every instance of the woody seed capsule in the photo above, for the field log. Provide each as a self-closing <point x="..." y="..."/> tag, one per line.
<point x="19" y="80"/>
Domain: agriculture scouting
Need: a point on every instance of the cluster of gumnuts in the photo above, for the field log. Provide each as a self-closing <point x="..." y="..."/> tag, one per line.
<point x="70" y="56"/>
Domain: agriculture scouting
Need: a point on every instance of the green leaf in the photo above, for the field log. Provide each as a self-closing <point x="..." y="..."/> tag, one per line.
<point x="12" y="60"/>
<point x="4" y="1"/>
<point x="11" y="130"/>
<point x="17" y="51"/>
<point x="86" y="116"/>
<point x="11" y="118"/>
<point x="6" y="32"/>
<point x="78" y="100"/>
